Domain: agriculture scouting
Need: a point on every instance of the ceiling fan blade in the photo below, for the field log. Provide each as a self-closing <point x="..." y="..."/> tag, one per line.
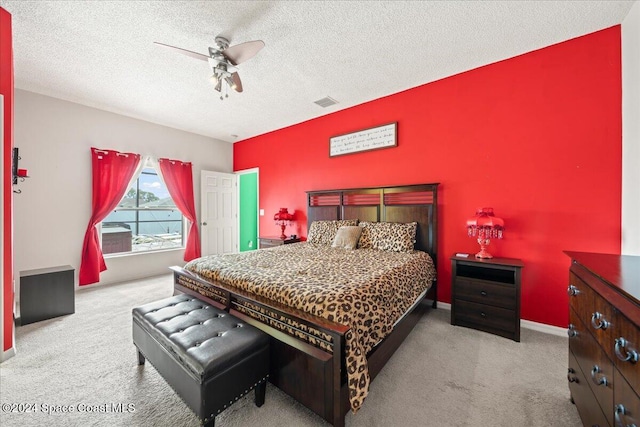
<point x="185" y="52"/>
<point x="241" y="52"/>
<point x="237" y="82"/>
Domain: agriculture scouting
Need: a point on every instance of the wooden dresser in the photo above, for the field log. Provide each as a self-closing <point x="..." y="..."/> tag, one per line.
<point x="604" y="341"/>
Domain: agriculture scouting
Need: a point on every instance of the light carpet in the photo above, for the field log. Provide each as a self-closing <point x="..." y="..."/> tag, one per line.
<point x="442" y="375"/>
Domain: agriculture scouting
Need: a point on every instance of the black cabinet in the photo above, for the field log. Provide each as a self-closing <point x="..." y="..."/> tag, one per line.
<point x="46" y="293"/>
<point x="485" y="295"/>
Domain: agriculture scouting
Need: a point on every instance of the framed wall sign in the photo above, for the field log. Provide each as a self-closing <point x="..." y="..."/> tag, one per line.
<point x="368" y="139"/>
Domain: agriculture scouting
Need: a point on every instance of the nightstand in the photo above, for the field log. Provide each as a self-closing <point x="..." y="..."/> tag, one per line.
<point x="271" y="241"/>
<point x="485" y="294"/>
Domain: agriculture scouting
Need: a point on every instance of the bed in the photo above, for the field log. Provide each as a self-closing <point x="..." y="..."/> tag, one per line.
<point x="324" y="358"/>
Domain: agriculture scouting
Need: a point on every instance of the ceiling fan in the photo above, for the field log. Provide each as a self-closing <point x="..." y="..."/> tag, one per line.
<point x="223" y="60"/>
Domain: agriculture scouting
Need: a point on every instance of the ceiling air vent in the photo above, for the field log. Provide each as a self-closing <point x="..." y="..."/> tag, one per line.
<point x="326" y="102"/>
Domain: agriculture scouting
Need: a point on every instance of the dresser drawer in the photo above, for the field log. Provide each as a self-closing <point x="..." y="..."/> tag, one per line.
<point x="594" y="363"/>
<point x="595" y="312"/>
<point x="484" y="292"/>
<point x="585" y="401"/>
<point x="485" y="317"/>
<point x="627" y="336"/>
<point x="626" y="404"/>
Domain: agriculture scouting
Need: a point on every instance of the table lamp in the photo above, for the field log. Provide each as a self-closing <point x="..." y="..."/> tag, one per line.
<point x="485" y="226"/>
<point x="283" y="218"/>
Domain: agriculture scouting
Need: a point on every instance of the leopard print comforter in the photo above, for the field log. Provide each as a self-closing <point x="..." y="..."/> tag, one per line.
<point x="366" y="289"/>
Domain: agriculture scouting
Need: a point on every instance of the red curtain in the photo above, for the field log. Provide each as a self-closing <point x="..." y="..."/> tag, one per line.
<point x="112" y="173"/>
<point x="178" y="177"/>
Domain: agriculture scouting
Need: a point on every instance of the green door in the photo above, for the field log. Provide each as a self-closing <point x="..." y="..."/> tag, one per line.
<point x="248" y="212"/>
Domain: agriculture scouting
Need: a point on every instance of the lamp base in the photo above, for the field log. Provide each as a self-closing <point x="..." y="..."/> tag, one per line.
<point x="484" y="254"/>
<point x="483" y="242"/>
<point x="282" y="236"/>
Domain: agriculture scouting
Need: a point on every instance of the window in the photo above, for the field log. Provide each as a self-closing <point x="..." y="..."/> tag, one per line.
<point x="146" y="218"/>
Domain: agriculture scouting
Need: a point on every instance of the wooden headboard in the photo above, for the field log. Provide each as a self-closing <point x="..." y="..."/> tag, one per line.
<point x="405" y="203"/>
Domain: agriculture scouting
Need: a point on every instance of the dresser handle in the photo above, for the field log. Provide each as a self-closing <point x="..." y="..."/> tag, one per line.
<point x="631" y="355"/>
<point x="483" y="314"/>
<point x="594" y="372"/>
<point x="570" y="378"/>
<point x="573" y="291"/>
<point x="601" y="322"/>
<point x="483" y="293"/>
<point x="572" y="331"/>
<point x="620" y="412"/>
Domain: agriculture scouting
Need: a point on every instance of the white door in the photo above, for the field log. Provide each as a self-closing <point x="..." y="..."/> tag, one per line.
<point x="218" y="200"/>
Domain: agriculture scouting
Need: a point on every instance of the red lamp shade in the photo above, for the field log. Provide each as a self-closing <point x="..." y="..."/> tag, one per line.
<point x="283" y="218"/>
<point x="485" y="226"/>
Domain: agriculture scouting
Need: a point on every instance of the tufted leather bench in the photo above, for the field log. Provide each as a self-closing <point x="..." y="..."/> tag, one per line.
<point x="208" y="356"/>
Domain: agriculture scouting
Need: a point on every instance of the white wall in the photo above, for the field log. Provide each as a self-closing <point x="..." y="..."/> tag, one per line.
<point x="52" y="213"/>
<point x="631" y="132"/>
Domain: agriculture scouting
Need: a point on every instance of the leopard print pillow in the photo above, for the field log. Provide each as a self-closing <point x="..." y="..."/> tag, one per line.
<point x="323" y="232"/>
<point x="388" y="236"/>
<point x="365" y="241"/>
<point x="347" y="237"/>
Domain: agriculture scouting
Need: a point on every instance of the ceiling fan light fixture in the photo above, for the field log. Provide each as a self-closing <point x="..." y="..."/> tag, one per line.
<point x="223" y="60"/>
<point x="231" y="83"/>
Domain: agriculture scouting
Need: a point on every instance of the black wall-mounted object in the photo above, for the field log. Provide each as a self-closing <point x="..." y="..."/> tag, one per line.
<point x="14" y="165"/>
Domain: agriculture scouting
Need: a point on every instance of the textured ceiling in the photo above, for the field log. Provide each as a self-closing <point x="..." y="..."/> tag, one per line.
<point x="101" y="53"/>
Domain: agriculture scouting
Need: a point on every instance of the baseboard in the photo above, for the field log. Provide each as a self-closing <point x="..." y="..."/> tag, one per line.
<point x="528" y="324"/>
<point x="444" y="305"/>
<point x="8" y="354"/>
<point x="543" y="327"/>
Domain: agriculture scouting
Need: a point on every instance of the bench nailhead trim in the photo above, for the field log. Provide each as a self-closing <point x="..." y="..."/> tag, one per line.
<point x="242" y="394"/>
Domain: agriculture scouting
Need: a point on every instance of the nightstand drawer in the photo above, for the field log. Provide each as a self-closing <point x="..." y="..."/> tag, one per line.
<point x="269" y="242"/>
<point x="482" y="292"/>
<point x="484" y="317"/>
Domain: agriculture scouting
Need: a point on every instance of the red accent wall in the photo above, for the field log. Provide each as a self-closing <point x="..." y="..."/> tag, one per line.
<point x="6" y="89"/>
<point x="538" y="137"/>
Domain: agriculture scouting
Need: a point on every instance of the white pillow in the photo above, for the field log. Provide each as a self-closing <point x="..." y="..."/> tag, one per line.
<point x="347" y="237"/>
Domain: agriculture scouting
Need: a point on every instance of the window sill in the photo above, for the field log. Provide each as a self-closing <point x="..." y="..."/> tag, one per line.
<point x="133" y="254"/>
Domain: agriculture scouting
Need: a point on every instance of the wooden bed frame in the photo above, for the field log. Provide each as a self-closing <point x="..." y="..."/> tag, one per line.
<point x="299" y="366"/>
